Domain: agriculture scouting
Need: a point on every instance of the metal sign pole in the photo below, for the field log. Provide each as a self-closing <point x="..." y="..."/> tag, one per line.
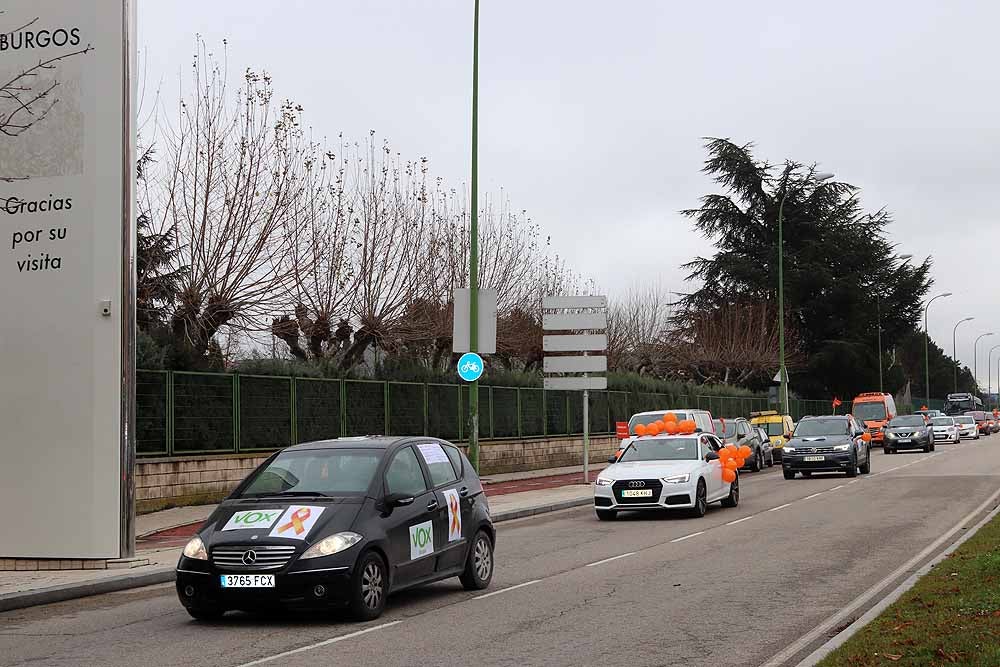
<point x="586" y="436"/>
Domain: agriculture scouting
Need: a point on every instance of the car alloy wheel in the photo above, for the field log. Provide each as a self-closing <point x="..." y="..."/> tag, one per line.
<point x="372" y="585"/>
<point x="700" y="500"/>
<point x="479" y="565"/>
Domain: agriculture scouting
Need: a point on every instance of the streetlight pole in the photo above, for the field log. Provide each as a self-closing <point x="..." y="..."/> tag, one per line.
<point x="474" y="250"/>
<point x="954" y="348"/>
<point x="989" y="373"/>
<point x="975" y="360"/>
<point x="782" y="371"/>
<point x="927" y="361"/>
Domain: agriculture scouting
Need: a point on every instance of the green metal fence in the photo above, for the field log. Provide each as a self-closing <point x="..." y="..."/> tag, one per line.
<point x="199" y="413"/>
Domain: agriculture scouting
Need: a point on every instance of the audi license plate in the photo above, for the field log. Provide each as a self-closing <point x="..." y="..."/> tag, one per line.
<point x="637" y="493"/>
<point x="813" y="458"/>
<point x="247" y="580"/>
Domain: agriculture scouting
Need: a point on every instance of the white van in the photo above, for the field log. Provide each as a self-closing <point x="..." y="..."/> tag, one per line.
<point x="701" y="418"/>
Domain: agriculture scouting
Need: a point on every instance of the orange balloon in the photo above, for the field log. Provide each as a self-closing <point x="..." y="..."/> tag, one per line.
<point x="654" y="428"/>
<point x="640" y="429"/>
<point x="670" y="427"/>
<point x="740" y="462"/>
<point x="728" y="476"/>
<point x="731" y="464"/>
<point x="866" y="436"/>
<point x="670" y="417"/>
<point x="725" y="454"/>
<point x="745" y="452"/>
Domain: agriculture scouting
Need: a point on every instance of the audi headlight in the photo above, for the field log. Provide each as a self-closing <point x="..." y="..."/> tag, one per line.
<point x="332" y="545"/>
<point x="604" y="481"/>
<point x="677" y="479"/>
<point x="841" y="448"/>
<point x="195" y="549"/>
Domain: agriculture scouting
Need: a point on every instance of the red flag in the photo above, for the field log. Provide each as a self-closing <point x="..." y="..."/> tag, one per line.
<point x="837" y="402"/>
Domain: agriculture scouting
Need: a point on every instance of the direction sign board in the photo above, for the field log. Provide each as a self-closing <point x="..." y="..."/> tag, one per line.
<point x="574" y="321"/>
<point x="576" y="383"/>
<point x="470" y="367"/>
<point x="487" y="333"/>
<point x="575" y="364"/>
<point x="569" y="302"/>
<point x="570" y="343"/>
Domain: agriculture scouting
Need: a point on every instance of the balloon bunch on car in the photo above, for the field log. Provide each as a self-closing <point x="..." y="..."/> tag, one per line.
<point x="731" y="457"/>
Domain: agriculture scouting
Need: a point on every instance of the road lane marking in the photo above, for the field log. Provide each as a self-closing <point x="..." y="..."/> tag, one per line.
<point x="326" y="642"/>
<point x="504" y="590"/>
<point x="853" y="482"/>
<point x="780" y="507"/>
<point x="839" y="486"/>
<point x="746" y="518"/>
<point x="823" y="629"/>
<point x="814" y="495"/>
<point x="608" y="560"/>
<point x="688" y="537"/>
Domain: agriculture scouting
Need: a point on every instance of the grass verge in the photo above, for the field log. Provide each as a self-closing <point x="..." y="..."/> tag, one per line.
<point x="951" y="616"/>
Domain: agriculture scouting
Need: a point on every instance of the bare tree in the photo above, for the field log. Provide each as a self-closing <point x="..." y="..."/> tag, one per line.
<point x="235" y="167"/>
<point x="29" y="94"/>
<point x="638" y="329"/>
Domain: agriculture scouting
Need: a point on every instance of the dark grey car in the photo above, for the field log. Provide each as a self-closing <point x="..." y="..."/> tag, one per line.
<point x="827" y="444"/>
<point x="740" y="432"/>
<point x="908" y="432"/>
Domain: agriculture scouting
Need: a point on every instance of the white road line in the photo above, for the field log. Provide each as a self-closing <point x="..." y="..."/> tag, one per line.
<point x="688" y="537"/>
<point x="780" y="507"/>
<point x="733" y="523"/>
<point x="608" y="560"/>
<point x="327" y="642"/>
<point x="814" y="495"/>
<point x="839" y="486"/>
<point x="504" y="590"/>
<point x="854" y="481"/>
<point x="824" y="628"/>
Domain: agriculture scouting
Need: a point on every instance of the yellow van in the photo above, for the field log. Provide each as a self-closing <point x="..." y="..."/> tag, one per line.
<point x="778" y="427"/>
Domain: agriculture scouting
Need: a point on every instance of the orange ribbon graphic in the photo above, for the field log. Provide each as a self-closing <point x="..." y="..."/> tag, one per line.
<point x="300" y="515"/>
<point x="456" y="517"/>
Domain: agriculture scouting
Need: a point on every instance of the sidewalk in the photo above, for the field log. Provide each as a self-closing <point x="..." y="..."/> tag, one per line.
<point x="160" y="537"/>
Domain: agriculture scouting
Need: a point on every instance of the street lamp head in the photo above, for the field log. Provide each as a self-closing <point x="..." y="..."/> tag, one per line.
<point x="968" y="319"/>
<point x="945" y="294"/>
<point x="823" y="176"/>
<point x="905" y="258"/>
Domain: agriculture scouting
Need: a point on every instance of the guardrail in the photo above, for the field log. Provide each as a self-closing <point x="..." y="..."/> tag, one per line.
<point x="181" y="412"/>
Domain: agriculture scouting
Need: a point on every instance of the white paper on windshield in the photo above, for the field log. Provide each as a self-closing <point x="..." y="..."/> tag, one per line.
<point x="433" y="453"/>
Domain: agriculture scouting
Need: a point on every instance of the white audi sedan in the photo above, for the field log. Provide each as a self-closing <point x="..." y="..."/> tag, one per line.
<point x="946" y="429"/>
<point x="665" y="472"/>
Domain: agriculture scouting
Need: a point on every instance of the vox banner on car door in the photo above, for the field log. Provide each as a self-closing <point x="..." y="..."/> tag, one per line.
<point x="454" y="515"/>
<point x="421" y="539"/>
<point x="296" y="522"/>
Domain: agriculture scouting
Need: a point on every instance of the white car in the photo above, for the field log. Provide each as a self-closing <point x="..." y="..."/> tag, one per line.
<point x="967" y="427"/>
<point x="945" y="428"/>
<point x="665" y="472"/>
<point x="701" y="418"/>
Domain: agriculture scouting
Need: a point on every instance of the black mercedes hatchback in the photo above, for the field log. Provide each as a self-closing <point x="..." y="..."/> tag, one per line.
<point x="341" y="523"/>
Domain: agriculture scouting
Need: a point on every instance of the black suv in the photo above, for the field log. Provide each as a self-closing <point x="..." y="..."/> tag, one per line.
<point x="739" y="432"/>
<point x="827" y="444"/>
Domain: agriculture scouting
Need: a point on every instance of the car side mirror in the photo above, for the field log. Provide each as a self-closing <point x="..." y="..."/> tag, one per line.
<point x="612" y="459"/>
<point x="711" y="456"/>
<point x="397" y="500"/>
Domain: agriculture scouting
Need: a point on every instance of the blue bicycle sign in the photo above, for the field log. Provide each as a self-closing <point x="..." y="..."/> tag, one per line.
<point x="470" y="367"/>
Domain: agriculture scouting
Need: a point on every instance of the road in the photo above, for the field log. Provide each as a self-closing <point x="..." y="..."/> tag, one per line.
<point x="733" y="588"/>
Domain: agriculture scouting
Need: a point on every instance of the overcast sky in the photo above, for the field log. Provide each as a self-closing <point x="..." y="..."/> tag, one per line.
<point x="592" y="113"/>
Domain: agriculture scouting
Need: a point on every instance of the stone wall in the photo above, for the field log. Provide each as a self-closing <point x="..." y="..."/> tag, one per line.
<point x="191" y="480"/>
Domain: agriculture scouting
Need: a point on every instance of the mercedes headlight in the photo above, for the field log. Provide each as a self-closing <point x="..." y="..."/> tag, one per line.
<point x="332" y="545"/>
<point x="195" y="549"/>
<point x="604" y="481"/>
<point x="677" y="479"/>
<point x="841" y="448"/>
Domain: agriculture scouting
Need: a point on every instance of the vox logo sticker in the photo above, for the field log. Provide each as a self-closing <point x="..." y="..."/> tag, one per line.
<point x="252" y="519"/>
<point x="421" y="540"/>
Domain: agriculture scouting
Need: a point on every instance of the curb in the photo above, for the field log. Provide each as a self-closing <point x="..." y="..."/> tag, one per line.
<point x="165" y="574"/>
<point x="836" y="642"/>
<point x="10" y="601"/>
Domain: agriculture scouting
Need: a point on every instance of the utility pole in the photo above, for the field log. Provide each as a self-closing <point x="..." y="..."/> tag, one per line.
<point x="474" y="250"/>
